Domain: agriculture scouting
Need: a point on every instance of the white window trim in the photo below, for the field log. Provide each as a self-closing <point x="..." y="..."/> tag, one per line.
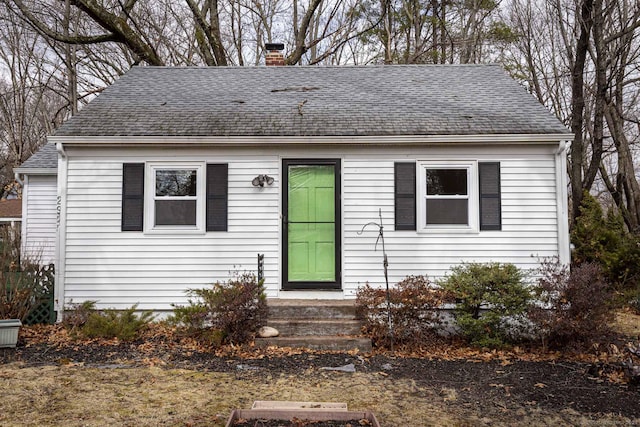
<point x="150" y="192"/>
<point x="472" y="191"/>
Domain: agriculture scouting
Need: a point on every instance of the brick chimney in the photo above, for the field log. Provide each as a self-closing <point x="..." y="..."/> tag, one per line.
<point x="274" y="54"/>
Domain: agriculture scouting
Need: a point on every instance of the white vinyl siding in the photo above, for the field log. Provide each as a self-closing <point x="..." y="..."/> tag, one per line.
<point x="39" y="218"/>
<point x="119" y="269"/>
<point x="529" y="223"/>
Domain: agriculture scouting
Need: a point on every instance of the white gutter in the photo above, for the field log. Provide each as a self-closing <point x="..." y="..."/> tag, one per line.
<point x="10" y="219"/>
<point x="562" y="203"/>
<point x="86" y="141"/>
<point x="61" y="227"/>
<point x="36" y="171"/>
<point x="562" y="147"/>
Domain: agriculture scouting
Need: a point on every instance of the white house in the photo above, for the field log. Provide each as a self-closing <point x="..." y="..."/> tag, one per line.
<point x="174" y="178"/>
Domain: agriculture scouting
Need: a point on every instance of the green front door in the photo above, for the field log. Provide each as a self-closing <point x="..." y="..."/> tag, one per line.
<point x="311" y="225"/>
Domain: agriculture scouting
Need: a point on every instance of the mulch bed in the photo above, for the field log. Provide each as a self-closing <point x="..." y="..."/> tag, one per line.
<point x="497" y="381"/>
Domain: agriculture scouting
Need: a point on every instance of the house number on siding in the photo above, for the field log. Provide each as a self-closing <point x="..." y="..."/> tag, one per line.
<point x="58" y="211"/>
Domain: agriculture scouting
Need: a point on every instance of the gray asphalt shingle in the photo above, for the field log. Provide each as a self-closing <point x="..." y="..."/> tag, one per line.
<point x="45" y="158"/>
<point x="313" y="101"/>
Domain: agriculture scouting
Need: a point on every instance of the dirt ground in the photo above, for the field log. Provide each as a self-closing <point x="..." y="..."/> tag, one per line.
<point x="51" y="379"/>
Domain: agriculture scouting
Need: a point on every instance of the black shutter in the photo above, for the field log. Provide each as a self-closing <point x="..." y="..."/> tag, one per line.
<point x="217" y="188"/>
<point x="490" y="205"/>
<point x="132" y="196"/>
<point x="405" y="196"/>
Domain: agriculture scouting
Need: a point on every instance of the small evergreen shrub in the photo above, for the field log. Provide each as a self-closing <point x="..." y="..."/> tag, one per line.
<point x="228" y="312"/>
<point x="414" y="305"/>
<point x="572" y="307"/>
<point x="603" y="239"/>
<point x="123" y="325"/>
<point x="491" y="302"/>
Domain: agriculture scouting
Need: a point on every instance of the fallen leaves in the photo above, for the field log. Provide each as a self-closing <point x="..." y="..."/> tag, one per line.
<point x="159" y="340"/>
<point x="506" y="388"/>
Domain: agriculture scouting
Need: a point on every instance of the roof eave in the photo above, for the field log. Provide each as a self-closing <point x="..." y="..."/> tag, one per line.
<point x="37" y="171"/>
<point x="372" y="140"/>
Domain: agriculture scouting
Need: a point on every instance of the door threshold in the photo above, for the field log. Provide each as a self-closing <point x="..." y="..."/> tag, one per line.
<point x="312" y="294"/>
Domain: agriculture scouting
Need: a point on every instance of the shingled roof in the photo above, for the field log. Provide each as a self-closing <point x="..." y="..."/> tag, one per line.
<point x="313" y="101"/>
<point x="10" y="209"/>
<point x="45" y="158"/>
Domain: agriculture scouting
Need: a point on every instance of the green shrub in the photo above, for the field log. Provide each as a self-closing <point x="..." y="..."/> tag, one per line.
<point x="227" y="312"/>
<point x="491" y="302"/>
<point x="602" y="239"/>
<point x="121" y="324"/>
<point x="572" y="307"/>
<point x="414" y="305"/>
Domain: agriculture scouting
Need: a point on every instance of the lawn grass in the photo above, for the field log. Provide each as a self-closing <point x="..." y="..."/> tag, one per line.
<point x="81" y="396"/>
<point x="71" y="394"/>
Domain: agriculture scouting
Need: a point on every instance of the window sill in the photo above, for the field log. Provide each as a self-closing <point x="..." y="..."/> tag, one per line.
<point x="448" y="230"/>
<point x="175" y="231"/>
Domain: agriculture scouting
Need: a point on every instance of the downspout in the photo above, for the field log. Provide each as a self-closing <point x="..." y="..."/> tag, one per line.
<point x="61" y="226"/>
<point x="60" y="149"/>
<point x="16" y="176"/>
<point x="562" y="203"/>
<point x="25" y="214"/>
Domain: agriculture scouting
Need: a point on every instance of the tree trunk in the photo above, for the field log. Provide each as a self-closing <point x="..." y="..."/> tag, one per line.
<point x="301" y="34"/>
<point x="578" y="106"/>
<point x="386" y="34"/>
<point x="70" y="62"/>
<point x="214" y="37"/>
<point x="627" y="193"/>
<point x="600" y="61"/>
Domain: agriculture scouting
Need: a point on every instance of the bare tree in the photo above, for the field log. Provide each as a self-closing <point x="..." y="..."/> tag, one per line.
<point x="580" y="58"/>
<point x="618" y="52"/>
<point x="31" y="104"/>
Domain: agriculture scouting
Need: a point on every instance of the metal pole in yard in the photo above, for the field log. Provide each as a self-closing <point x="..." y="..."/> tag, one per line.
<point x="385" y="264"/>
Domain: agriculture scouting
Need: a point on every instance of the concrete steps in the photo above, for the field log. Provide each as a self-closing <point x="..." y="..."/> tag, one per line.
<point x="311" y="309"/>
<point x="328" y="342"/>
<point x="315" y="324"/>
<point x="298" y="327"/>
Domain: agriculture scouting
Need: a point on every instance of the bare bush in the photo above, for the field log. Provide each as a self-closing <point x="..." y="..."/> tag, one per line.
<point x="574" y="307"/>
<point x="230" y="311"/>
<point x="18" y="277"/>
<point x="415" y="315"/>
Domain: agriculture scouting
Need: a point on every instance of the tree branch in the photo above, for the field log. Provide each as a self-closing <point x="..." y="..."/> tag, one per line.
<point x="119" y="26"/>
<point x="218" y="58"/>
<point x="43" y="29"/>
<point x="300" y="48"/>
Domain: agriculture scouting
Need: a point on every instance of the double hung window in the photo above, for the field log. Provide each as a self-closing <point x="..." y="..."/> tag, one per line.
<point x="448" y="196"/>
<point x="176" y="197"/>
<point x="175" y="194"/>
<point x="172" y="197"/>
<point x="452" y="196"/>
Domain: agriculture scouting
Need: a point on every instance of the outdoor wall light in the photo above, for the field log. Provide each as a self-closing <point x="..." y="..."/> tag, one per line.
<point x="260" y="180"/>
